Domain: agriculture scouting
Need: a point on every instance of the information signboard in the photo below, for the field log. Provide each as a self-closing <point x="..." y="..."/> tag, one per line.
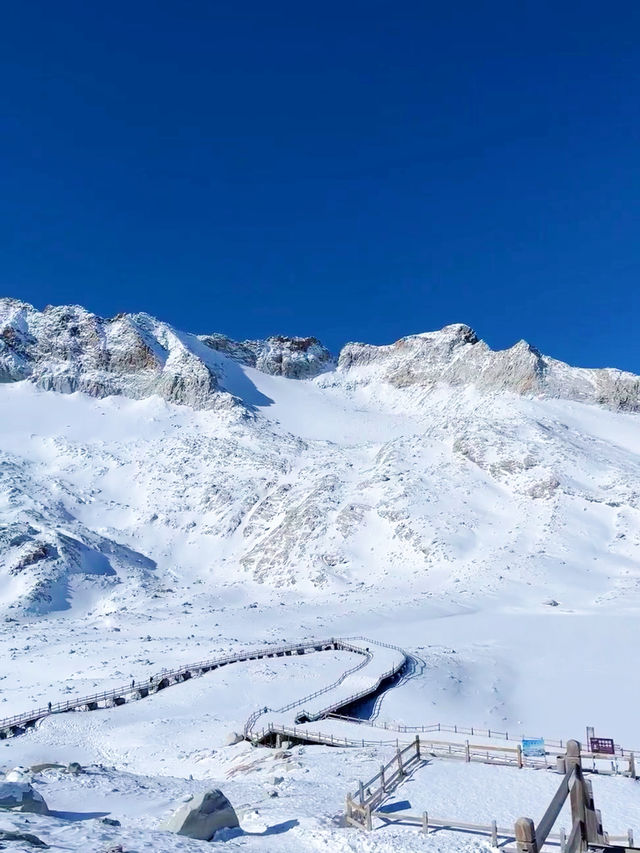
<point x="603" y="745"/>
<point x="533" y="747"/>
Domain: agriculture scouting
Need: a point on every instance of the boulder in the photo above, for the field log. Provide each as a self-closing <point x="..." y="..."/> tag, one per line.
<point x="74" y="768"/>
<point x="23" y="797"/>
<point x="19" y="774"/>
<point x="233" y="738"/>
<point x="202" y="816"/>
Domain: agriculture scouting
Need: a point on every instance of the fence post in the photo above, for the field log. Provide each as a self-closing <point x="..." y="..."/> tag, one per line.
<point x="467" y="752"/>
<point x="577" y="794"/>
<point x="494" y="833"/>
<point x="632" y="765"/>
<point x="563" y="840"/>
<point x="400" y="767"/>
<point x="382" y="783"/>
<point x="525" y="833"/>
<point x="361" y="790"/>
<point x="630" y="837"/>
<point x="418" y="747"/>
<point x="519" y="754"/>
<point x="425" y="823"/>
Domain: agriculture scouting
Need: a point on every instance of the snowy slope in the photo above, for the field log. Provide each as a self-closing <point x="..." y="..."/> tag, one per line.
<point x="165" y="497"/>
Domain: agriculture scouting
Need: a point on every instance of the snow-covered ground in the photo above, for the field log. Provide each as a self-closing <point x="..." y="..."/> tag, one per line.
<point x="494" y="536"/>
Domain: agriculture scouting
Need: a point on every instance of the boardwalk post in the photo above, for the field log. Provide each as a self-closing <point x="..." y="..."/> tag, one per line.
<point x="578" y="794"/>
<point x="525" y="833"/>
<point x="382" y="782"/>
<point x="494" y="833"/>
<point x="418" y="747"/>
<point x="425" y="823"/>
<point x="573" y="757"/>
<point x="632" y="765"/>
<point x="368" y="821"/>
<point x="519" y="753"/>
<point x="361" y="789"/>
<point x="563" y="840"/>
<point x="630" y="837"/>
<point x="467" y="752"/>
<point x="400" y="767"/>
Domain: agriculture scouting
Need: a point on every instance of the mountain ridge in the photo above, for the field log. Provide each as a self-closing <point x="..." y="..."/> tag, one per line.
<point x="67" y="349"/>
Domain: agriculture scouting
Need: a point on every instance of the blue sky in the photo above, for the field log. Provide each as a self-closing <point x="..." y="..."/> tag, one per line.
<point x="353" y="170"/>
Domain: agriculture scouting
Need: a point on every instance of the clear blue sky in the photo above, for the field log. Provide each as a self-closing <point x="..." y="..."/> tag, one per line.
<point x="353" y="170"/>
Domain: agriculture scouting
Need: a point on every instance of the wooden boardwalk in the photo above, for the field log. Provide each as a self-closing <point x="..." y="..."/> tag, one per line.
<point x="333" y="696"/>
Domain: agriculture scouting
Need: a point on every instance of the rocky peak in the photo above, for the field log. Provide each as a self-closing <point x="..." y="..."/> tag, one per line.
<point x="456" y="356"/>
<point x="69" y="349"/>
<point x="279" y="355"/>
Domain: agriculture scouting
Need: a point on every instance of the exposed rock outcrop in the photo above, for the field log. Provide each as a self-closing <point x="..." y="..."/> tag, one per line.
<point x="456" y="356"/>
<point x="68" y="349"/>
<point x="296" y="358"/>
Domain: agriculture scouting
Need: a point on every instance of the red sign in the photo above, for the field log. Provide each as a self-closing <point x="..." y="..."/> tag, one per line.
<point x="603" y="745"/>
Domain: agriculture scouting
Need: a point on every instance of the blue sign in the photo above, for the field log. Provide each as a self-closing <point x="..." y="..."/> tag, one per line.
<point x="533" y="747"/>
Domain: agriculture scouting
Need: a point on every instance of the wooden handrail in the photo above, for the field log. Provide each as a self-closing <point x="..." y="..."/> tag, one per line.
<point x="555" y="807"/>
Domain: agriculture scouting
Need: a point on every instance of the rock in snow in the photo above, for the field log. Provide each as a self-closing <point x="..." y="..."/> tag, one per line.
<point x="232" y="738"/>
<point x="202" y="816"/>
<point x="26" y="837"/>
<point x="22" y="797"/>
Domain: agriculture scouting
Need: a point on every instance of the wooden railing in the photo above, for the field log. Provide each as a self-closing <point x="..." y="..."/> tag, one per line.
<point x="343" y="702"/>
<point x="16" y="723"/>
<point x="340" y="644"/>
<point x="363" y="806"/>
<point x="586" y="821"/>
<point x="557" y="746"/>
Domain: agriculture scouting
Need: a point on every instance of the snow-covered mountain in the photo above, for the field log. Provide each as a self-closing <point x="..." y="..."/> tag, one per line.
<point x="68" y="349"/>
<point x="168" y="497"/>
<point x="434" y="465"/>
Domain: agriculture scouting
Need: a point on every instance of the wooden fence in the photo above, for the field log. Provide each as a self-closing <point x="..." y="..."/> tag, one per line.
<point x="362" y="807"/>
<point x="586" y="822"/>
<point x="472" y="731"/>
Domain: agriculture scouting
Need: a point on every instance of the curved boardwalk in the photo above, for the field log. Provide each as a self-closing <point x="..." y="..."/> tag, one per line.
<point x="377" y="662"/>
